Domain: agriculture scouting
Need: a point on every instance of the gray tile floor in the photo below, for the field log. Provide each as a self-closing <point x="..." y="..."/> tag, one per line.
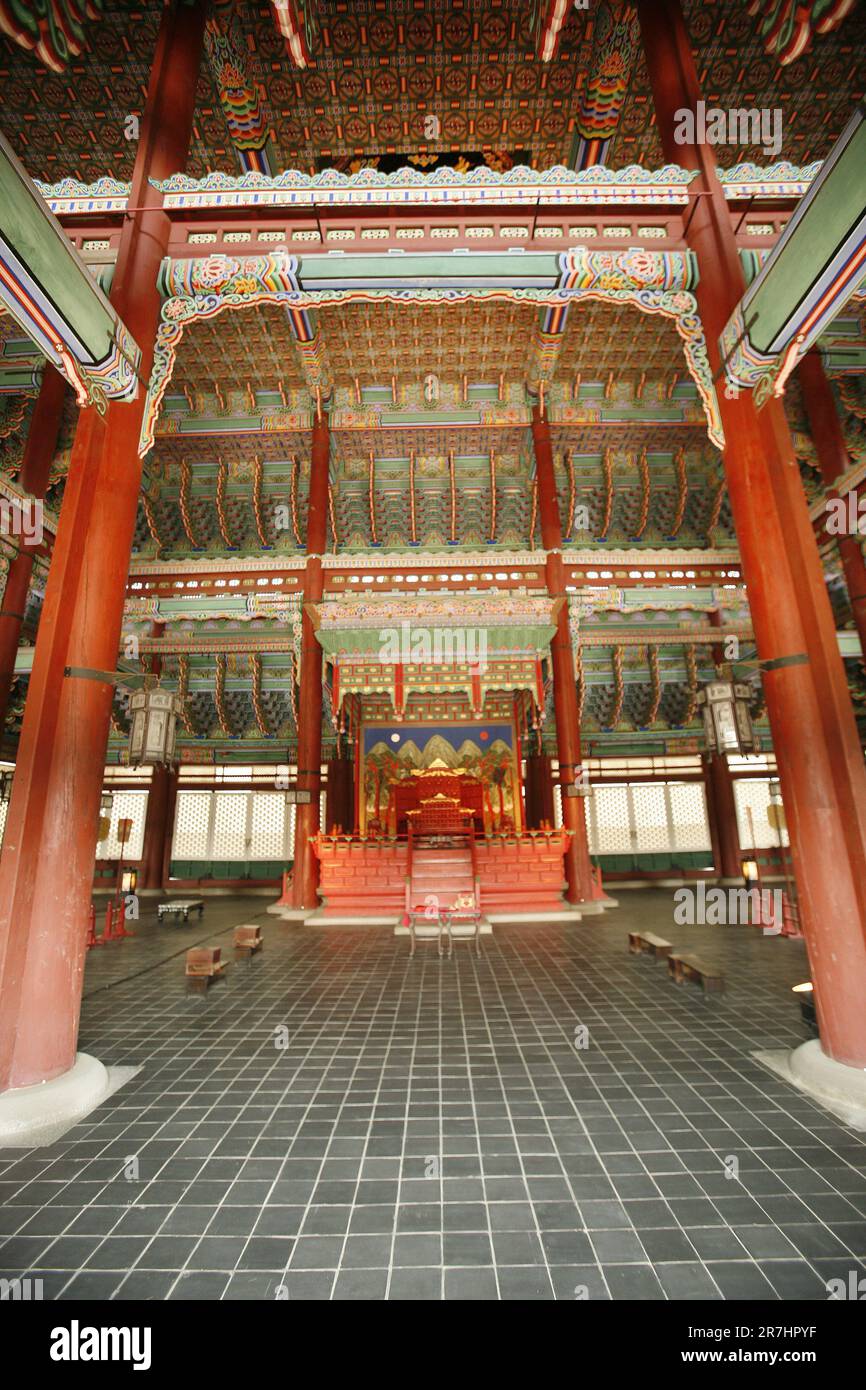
<point x="336" y="1121"/>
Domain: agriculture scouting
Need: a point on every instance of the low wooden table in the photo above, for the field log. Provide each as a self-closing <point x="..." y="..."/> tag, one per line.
<point x="180" y="906"/>
<point x="683" y="967"/>
<point x="640" y="941"/>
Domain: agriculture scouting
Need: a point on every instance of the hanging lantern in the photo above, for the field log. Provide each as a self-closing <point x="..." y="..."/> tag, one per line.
<point x="724" y="704"/>
<point x="154" y="713"/>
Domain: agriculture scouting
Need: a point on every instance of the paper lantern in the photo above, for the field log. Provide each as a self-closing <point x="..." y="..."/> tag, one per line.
<point x="724" y="704"/>
<point x="154" y="713"/>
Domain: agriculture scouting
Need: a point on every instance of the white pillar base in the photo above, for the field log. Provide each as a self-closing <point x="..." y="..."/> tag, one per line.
<point x="840" y="1089"/>
<point x="35" y="1115"/>
<point x="291" y="914"/>
<point x="593" y="906"/>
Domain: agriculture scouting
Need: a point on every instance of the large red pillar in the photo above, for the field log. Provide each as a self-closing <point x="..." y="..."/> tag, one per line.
<point x="305" y="878"/>
<point x="338" y="795"/>
<point x="539" y="790"/>
<point x="35" y="470"/>
<point x="158" y="822"/>
<point x="157" y="828"/>
<point x="719" y="789"/>
<point x="578" y="867"/>
<point x="722" y="814"/>
<point x="48" y="851"/>
<point x="814" y="734"/>
<point x="826" y="430"/>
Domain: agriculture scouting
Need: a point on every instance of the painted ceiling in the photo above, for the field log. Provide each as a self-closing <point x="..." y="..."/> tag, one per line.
<point x="438" y="83"/>
<point x="413" y="481"/>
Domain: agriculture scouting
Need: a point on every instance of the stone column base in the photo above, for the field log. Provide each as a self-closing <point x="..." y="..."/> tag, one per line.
<point x="291" y="914"/>
<point x="34" y="1115"/>
<point x="838" y="1088"/>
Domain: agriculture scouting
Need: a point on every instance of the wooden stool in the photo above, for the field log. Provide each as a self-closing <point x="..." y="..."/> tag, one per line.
<point x="247" y="941"/>
<point x="203" y="966"/>
<point x="639" y="942"/>
<point x="683" y="967"/>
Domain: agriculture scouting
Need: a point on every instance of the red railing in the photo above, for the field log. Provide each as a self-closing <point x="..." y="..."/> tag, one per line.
<point x="477" y="837"/>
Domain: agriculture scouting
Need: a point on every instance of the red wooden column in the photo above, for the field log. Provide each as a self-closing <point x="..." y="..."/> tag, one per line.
<point x="826" y="430"/>
<point x="46" y="866"/>
<point x="305" y="878"/>
<point x="722" y="813"/>
<point x="35" y="469"/>
<point x="719" y="787"/>
<point x="157" y="827"/>
<point x="539" y="790"/>
<point x="814" y="735"/>
<point x="161" y="799"/>
<point x="531" y="817"/>
<point x="338" y="795"/>
<point x="578" y="868"/>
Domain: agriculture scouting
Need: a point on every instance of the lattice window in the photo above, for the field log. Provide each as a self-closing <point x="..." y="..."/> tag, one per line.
<point x="647" y="818"/>
<point x="610" y="817"/>
<point x="755" y="833"/>
<point x="652" y="831"/>
<point x="267" y="825"/>
<point x="557" y="796"/>
<point x="192" y="826"/>
<point x="229" y="835"/>
<point x="127" y="806"/>
<point x="237" y="826"/>
<point x="688" y="806"/>
<point x="4" y="807"/>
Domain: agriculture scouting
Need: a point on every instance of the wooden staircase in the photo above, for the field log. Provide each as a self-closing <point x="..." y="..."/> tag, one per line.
<point x="439" y="875"/>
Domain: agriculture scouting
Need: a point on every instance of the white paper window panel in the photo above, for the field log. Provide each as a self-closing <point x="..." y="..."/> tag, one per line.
<point x="192" y="826"/>
<point x="754" y="795"/>
<point x="267" y="825"/>
<point x="4" y="807"/>
<point x="648" y="817"/>
<point x="233" y="825"/>
<point x="688" y="813"/>
<point x="610" y="820"/>
<point x="557" y="794"/>
<point x="229" y="836"/>
<point x="126" y="806"/>
<point x="652" y="829"/>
